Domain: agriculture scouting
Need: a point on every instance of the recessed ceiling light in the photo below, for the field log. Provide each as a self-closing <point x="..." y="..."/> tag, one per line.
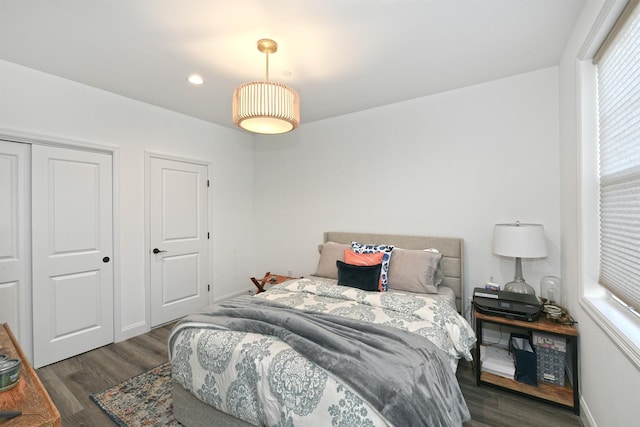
<point x="195" y="79"/>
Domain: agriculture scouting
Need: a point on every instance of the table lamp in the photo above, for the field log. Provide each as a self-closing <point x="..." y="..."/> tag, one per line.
<point x="519" y="241"/>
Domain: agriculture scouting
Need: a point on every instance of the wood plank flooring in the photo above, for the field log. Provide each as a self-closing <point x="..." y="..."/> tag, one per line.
<point x="71" y="381"/>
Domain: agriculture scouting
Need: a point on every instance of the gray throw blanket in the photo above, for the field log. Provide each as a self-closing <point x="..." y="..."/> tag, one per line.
<point x="404" y="376"/>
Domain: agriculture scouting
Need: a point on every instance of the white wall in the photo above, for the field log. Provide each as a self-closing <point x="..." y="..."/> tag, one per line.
<point x="609" y="379"/>
<point x="35" y="102"/>
<point x="451" y="164"/>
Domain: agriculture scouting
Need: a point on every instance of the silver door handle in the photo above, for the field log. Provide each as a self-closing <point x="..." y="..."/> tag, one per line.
<point x="157" y="251"/>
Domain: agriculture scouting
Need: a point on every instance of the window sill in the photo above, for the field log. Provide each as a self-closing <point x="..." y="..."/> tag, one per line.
<point x="622" y="326"/>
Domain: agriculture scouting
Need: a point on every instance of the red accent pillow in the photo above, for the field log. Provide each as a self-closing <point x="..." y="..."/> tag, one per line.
<point x="354" y="258"/>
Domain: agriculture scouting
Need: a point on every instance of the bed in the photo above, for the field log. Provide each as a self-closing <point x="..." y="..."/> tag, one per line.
<point x="313" y="351"/>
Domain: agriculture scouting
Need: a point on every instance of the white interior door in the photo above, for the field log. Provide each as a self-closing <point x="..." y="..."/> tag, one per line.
<point x="178" y="238"/>
<point x="72" y="251"/>
<point x="15" y="248"/>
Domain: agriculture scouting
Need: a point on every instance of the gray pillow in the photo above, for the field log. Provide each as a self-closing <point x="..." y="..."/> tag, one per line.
<point x="414" y="271"/>
<point x="330" y="252"/>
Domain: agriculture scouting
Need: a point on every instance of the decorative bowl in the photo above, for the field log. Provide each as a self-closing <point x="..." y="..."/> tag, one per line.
<point x="9" y="373"/>
<point x="553" y="311"/>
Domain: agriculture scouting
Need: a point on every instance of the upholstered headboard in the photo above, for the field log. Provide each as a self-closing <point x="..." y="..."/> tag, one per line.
<point x="450" y="248"/>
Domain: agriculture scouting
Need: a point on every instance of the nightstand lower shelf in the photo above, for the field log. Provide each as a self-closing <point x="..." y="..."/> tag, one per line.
<point x="565" y="396"/>
<point x="562" y="395"/>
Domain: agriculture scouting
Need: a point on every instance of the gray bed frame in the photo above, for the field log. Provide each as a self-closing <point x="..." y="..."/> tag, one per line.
<point x="192" y="412"/>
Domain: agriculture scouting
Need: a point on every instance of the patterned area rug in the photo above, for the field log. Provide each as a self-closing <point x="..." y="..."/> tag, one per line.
<point x="144" y="400"/>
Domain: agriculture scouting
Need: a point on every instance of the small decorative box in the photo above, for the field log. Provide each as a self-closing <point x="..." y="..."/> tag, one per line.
<point x="551" y="351"/>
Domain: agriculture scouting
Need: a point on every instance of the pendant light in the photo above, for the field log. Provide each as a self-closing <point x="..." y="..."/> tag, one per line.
<point x="266" y="107"/>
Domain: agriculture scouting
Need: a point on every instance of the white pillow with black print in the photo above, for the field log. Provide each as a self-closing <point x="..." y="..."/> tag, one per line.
<point x="363" y="248"/>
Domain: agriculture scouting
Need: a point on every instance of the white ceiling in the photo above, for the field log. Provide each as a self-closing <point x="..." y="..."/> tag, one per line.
<point x="341" y="56"/>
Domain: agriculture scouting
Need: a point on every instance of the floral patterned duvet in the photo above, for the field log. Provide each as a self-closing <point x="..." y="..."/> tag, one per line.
<point x="262" y="380"/>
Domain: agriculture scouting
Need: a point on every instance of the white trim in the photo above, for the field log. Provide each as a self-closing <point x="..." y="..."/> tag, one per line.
<point x="619" y="324"/>
<point x="210" y="227"/>
<point x="588" y="216"/>
<point x="585" y="414"/>
<point x="605" y="20"/>
<point x="23" y="282"/>
<point x="56" y="141"/>
<point x="147" y="233"/>
<point x="117" y="265"/>
<point x="165" y="156"/>
<point x="27" y="317"/>
<point x="135" y="327"/>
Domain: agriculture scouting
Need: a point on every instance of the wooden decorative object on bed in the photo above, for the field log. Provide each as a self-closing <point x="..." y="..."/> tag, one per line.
<point x="269" y="279"/>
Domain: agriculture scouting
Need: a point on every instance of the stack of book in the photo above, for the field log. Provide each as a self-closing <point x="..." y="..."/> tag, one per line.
<point x="497" y="360"/>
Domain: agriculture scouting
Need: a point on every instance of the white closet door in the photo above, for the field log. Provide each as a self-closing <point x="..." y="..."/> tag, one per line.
<point x="179" y="258"/>
<point x="72" y="251"/>
<point x="15" y="247"/>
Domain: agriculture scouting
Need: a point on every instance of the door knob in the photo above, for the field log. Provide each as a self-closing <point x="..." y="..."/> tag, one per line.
<point x="105" y="259"/>
<point x="157" y="251"/>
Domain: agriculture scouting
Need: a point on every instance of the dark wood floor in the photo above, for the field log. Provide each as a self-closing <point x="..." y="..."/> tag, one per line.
<point x="71" y="381"/>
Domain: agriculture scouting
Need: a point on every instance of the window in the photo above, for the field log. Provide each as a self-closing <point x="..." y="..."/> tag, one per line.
<point x="618" y="106"/>
<point x="608" y="100"/>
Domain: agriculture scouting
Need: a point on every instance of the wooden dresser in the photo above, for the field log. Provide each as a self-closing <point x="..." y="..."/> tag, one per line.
<point x="29" y="395"/>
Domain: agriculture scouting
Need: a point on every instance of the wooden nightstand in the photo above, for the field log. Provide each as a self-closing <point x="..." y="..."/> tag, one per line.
<point x="270" y="279"/>
<point x="565" y="395"/>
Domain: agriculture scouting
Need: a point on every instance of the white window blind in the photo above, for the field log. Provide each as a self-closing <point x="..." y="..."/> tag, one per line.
<point x="618" y="71"/>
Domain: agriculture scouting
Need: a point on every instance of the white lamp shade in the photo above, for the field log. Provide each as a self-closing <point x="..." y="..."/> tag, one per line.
<point x="519" y="240"/>
<point x="266" y="107"/>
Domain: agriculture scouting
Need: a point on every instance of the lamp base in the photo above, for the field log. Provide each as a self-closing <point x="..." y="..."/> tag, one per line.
<point x="520" y="287"/>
